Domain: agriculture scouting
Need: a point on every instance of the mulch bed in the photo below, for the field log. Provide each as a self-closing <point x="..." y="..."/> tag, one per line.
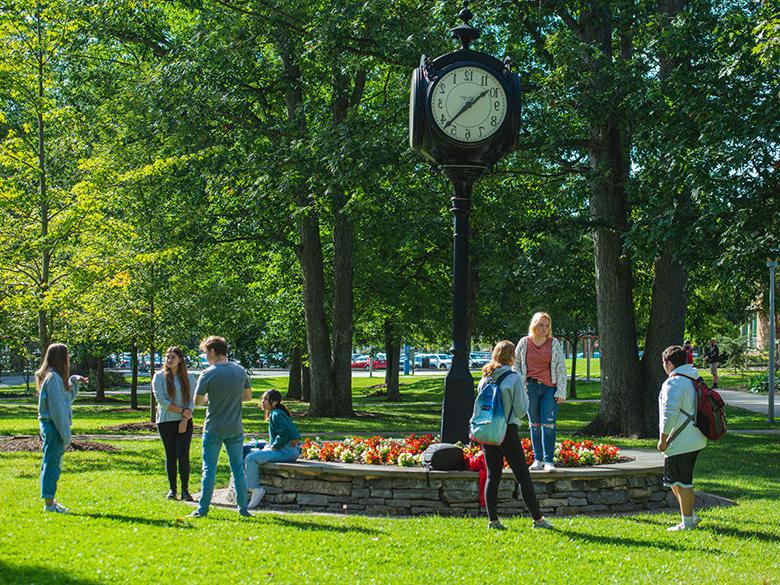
<point x="23" y="443"/>
<point x="140" y="427"/>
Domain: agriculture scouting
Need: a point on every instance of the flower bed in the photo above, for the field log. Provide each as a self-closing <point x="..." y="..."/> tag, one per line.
<point x="407" y="452"/>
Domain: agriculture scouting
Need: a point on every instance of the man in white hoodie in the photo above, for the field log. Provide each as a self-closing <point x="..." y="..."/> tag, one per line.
<point x="680" y="440"/>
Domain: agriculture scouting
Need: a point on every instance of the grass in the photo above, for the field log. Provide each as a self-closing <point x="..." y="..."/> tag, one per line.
<point x="122" y="530"/>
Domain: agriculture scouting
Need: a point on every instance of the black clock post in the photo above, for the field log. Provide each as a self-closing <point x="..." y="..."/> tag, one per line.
<point x="464" y="116"/>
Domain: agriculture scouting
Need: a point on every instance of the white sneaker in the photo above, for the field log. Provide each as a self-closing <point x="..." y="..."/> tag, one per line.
<point x="56" y="507"/>
<point x="257" y="496"/>
<point x="681" y="526"/>
<point x="536" y="466"/>
<point x="549" y="467"/>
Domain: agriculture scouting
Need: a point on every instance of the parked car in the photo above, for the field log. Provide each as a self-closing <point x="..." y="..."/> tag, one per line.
<point x="477" y="359"/>
<point x="359" y="361"/>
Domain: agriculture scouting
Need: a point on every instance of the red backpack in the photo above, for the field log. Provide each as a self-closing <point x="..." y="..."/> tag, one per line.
<point x="709" y="417"/>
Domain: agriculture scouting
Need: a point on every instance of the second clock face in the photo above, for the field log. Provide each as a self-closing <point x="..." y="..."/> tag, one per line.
<point x="468" y="104"/>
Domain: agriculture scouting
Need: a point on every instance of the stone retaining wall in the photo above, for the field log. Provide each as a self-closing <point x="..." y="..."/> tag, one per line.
<point x="400" y="491"/>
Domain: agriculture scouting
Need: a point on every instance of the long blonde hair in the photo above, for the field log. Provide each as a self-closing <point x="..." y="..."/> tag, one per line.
<point x="503" y="355"/>
<point x="535" y="321"/>
<point x="56" y="359"/>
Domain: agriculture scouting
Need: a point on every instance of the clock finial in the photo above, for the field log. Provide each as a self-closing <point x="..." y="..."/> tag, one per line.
<point x="464" y="32"/>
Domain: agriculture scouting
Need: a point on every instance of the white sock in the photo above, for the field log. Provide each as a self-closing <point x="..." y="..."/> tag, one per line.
<point x="688" y="520"/>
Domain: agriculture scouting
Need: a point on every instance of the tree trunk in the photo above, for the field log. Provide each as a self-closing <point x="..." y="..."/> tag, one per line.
<point x="620" y="408"/>
<point x="44" y="332"/>
<point x="573" y="381"/>
<point x="393" y="353"/>
<point x="669" y="298"/>
<point x="152" y="403"/>
<point x="306" y="383"/>
<point x="665" y="327"/>
<point x="294" y="389"/>
<point x="134" y="374"/>
<point x="342" y="308"/>
<point x="100" y="381"/>
<point x="323" y="396"/>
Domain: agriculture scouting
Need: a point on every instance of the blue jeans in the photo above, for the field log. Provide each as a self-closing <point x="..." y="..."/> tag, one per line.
<point x="212" y="445"/>
<point x="542" y="410"/>
<point x="53" y="449"/>
<point x="253" y="445"/>
<point x="267" y="455"/>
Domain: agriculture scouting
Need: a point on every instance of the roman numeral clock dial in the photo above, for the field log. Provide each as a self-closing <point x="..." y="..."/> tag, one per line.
<point x="468" y="104"/>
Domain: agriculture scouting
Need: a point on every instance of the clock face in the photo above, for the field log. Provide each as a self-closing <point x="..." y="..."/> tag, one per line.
<point x="468" y="104"/>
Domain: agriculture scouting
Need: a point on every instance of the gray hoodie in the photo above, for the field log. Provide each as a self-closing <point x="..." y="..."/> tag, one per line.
<point x="513" y="394"/>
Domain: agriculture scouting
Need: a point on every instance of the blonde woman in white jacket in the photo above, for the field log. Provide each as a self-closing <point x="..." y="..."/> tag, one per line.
<point x="539" y="361"/>
<point x="679" y="439"/>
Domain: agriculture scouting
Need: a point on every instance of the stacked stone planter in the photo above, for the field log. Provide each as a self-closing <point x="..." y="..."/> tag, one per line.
<point x="402" y="491"/>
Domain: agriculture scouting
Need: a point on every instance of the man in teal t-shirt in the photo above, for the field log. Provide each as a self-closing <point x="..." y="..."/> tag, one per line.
<point x="223" y="386"/>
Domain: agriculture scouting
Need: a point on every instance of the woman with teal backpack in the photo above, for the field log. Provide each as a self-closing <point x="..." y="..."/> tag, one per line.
<point x="515" y="403"/>
<point x="57" y="390"/>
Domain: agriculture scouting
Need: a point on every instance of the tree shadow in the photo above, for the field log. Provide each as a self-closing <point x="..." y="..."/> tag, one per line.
<point x="136" y="520"/>
<point x="306" y="525"/>
<point x="38" y="574"/>
<point x="623" y="541"/>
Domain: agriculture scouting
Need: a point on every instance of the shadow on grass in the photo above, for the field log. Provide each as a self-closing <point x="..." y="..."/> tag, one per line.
<point x="624" y="541"/>
<point x="305" y="525"/>
<point x="714" y="527"/>
<point x="135" y="520"/>
<point x="37" y="574"/>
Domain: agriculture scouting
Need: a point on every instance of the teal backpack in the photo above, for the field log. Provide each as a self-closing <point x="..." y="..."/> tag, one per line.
<point x="488" y="423"/>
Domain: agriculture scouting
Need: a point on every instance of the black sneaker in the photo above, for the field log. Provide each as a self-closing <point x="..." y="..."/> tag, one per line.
<point x="171" y="495"/>
<point x="186" y="497"/>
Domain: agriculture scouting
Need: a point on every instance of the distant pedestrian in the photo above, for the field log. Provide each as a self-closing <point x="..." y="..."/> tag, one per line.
<point x="515" y="403"/>
<point x="223" y="386"/>
<point x="174" y="390"/>
<point x="712" y="357"/>
<point x="688" y="352"/>
<point x="680" y="440"/>
<point x="283" y="443"/>
<point x="539" y="361"/>
<point x="57" y="390"/>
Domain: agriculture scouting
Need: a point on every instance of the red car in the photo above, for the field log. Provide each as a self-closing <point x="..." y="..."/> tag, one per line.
<point x="361" y="362"/>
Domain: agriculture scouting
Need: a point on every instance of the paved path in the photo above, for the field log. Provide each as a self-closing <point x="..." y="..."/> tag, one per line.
<point x="753" y="402"/>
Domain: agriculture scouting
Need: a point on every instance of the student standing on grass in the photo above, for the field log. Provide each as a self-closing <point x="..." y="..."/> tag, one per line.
<point x="539" y="361"/>
<point x="283" y="443"/>
<point x="174" y="391"/>
<point x="680" y="440"/>
<point x="712" y="357"/>
<point x="223" y="386"/>
<point x="514" y="400"/>
<point x="57" y="390"/>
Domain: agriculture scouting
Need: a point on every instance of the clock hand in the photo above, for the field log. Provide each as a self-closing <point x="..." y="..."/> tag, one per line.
<point x="465" y="107"/>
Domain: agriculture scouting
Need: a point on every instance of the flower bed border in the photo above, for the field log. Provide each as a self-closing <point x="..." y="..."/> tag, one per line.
<point x="401" y="491"/>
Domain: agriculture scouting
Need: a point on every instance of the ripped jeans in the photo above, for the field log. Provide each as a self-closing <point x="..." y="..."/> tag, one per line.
<point x="542" y="410"/>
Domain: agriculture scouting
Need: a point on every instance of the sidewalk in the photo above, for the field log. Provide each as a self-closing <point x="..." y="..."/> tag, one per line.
<point x="753" y="402"/>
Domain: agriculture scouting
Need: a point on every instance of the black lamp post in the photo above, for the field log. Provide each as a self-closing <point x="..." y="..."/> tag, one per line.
<point x="464" y="116"/>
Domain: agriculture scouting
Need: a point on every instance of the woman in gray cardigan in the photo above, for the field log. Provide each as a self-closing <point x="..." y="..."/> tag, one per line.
<point x="57" y="390"/>
<point x="174" y="390"/>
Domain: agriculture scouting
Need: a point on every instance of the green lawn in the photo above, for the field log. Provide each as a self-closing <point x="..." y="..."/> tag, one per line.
<point x="122" y="530"/>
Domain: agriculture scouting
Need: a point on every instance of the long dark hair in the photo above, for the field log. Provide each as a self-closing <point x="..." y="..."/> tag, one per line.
<point x="276" y="396"/>
<point x="56" y="359"/>
<point x="181" y="371"/>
